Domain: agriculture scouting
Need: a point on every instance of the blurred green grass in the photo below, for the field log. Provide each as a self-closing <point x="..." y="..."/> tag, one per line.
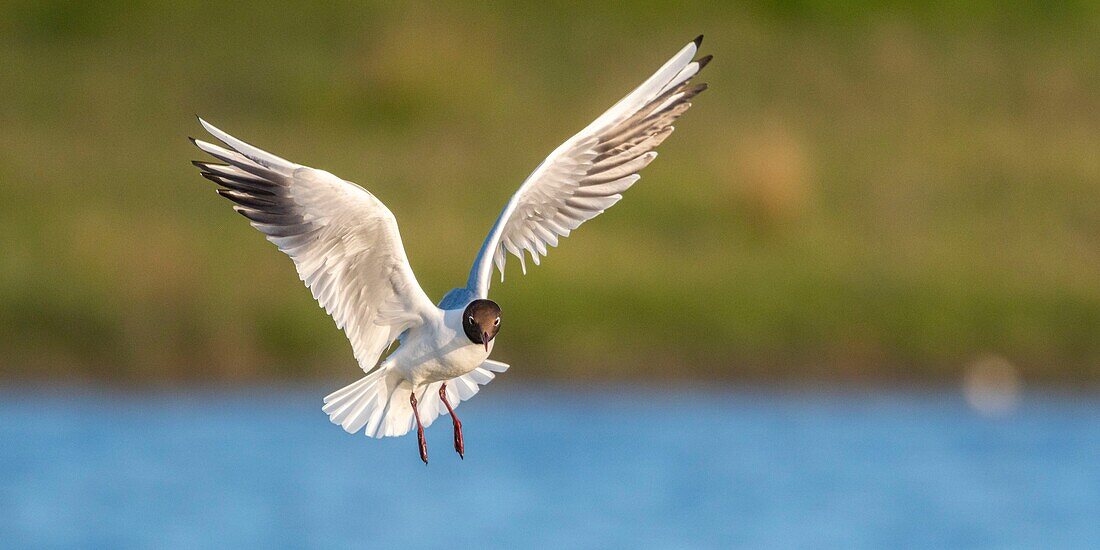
<point x="879" y="191"/>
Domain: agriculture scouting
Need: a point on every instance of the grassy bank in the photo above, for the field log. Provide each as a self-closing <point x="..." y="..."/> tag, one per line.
<point x="867" y="191"/>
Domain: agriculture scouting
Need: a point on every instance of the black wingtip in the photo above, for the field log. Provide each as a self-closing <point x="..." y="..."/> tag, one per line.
<point x="698" y="41"/>
<point x="211" y="177"/>
<point x="702" y="61"/>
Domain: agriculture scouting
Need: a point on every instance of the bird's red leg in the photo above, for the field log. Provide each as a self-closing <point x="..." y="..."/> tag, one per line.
<point x="419" y="430"/>
<point x="460" y="447"/>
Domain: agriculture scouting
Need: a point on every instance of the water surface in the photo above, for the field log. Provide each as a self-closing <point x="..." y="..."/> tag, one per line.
<point x="551" y="467"/>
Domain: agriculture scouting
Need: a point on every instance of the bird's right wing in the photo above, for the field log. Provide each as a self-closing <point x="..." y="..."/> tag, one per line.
<point x="344" y="241"/>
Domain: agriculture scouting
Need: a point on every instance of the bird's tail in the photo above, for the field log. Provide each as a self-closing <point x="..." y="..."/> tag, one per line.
<point x="380" y="400"/>
<point x="374" y="402"/>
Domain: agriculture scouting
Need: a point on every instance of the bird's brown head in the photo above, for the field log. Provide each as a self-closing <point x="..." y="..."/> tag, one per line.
<point x="481" y="321"/>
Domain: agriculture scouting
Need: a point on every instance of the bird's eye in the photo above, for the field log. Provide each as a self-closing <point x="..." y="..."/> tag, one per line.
<point x="471" y="318"/>
<point x="496" y="322"/>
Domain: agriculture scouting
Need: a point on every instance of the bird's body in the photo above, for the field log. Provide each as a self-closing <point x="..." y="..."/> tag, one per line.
<point x="427" y="356"/>
<point x="347" y="249"/>
<point x="437" y="351"/>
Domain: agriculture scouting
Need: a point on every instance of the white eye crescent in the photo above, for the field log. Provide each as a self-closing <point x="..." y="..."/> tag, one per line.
<point x="496" y="322"/>
<point x="471" y="318"/>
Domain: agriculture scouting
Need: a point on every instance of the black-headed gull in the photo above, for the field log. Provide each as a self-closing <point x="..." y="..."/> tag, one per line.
<point x="346" y="247"/>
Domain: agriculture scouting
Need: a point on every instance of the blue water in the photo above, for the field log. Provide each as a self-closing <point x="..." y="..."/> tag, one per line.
<point x="612" y="467"/>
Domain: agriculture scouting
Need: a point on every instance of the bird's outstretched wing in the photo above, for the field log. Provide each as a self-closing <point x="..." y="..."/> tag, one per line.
<point x="343" y="240"/>
<point x="585" y="175"/>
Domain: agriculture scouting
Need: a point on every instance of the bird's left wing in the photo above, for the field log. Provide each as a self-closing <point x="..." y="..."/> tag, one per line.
<point x="344" y="241"/>
<point x="585" y="175"/>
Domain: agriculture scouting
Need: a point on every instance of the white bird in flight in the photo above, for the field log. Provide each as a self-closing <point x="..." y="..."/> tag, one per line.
<point x="347" y="249"/>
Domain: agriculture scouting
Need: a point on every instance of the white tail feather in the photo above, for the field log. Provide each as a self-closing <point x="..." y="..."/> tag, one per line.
<point x="379" y="404"/>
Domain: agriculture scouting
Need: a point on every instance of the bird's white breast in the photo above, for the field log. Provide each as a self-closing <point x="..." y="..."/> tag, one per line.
<point x="438" y="351"/>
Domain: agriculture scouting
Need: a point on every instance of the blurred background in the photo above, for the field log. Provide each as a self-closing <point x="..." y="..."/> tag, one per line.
<point x="855" y="303"/>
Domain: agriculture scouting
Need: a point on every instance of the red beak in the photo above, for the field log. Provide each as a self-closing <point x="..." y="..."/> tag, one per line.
<point x="485" y="339"/>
